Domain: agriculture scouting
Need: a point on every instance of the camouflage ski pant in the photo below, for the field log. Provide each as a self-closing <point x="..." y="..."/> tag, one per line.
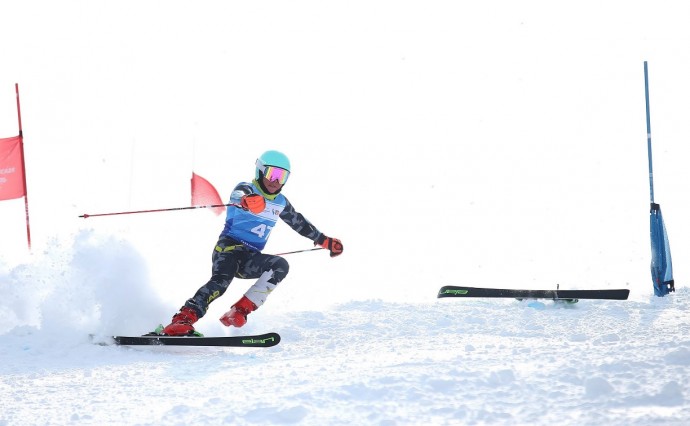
<point x="231" y="260"/>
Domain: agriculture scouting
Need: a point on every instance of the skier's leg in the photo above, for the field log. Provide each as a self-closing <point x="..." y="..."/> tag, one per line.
<point x="226" y="260"/>
<point x="270" y="270"/>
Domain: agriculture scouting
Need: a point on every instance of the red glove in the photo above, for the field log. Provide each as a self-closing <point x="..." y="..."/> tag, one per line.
<point x="334" y="245"/>
<point x="255" y="203"/>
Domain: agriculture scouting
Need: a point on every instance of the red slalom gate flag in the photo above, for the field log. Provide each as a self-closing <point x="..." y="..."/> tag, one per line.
<point x="11" y="168"/>
<point x="204" y="194"/>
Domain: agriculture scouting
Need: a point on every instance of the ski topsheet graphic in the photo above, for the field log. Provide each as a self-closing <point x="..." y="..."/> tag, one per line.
<point x="458" y="291"/>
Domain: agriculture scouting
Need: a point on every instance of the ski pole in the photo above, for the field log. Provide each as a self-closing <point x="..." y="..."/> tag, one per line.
<point x="159" y="210"/>
<point x="299" y="251"/>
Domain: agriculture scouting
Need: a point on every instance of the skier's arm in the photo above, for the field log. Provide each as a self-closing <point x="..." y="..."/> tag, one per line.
<point x="300" y="224"/>
<point x="241" y="190"/>
<point x="243" y="196"/>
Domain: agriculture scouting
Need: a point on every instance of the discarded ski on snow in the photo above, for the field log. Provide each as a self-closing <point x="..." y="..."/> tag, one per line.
<point x="456" y="291"/>
<point x="254" y="341"/>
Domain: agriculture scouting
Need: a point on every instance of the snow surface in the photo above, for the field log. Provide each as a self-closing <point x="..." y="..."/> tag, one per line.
<point x="496" y="143"/>
<point x="437" y="361"/>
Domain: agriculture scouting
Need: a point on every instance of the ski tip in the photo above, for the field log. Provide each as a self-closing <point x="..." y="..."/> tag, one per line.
<point x="261" y="340"/>
<point x="276" y="336"/>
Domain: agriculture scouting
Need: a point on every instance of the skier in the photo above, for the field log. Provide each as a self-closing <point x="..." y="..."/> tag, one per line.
<point x="238" y="250"/>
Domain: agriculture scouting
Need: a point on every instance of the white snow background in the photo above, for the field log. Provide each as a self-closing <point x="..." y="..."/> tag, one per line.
<point x="495" y="143"/>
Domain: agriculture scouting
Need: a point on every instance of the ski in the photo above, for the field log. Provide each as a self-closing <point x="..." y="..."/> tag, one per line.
<point x="251" y="341"/>
<point x="572" y="295"/>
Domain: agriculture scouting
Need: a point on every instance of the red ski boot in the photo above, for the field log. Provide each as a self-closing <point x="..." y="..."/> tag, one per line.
<point x="182" y="323"/>
<point x="237" y="315"/>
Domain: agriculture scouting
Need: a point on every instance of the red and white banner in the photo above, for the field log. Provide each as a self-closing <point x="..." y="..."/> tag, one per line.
<point x="11" y="168"/>
<point x="204" y="194"/>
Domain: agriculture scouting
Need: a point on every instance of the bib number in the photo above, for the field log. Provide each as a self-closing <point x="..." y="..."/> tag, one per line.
<point x="262" y="231"/>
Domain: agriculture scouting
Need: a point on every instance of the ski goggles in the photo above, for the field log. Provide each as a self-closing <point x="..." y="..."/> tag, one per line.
<point x="273" y="173"/>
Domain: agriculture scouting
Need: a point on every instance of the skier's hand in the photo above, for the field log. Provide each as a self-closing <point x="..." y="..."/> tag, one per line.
<point x="334" y="245"/>
<point x="255" y="203"/>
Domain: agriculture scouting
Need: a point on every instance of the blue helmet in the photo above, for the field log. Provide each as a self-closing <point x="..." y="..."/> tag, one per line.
<point x="271" y="158"/>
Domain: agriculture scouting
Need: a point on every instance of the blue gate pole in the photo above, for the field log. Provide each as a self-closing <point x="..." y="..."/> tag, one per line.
<point x="649" y="136"/>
